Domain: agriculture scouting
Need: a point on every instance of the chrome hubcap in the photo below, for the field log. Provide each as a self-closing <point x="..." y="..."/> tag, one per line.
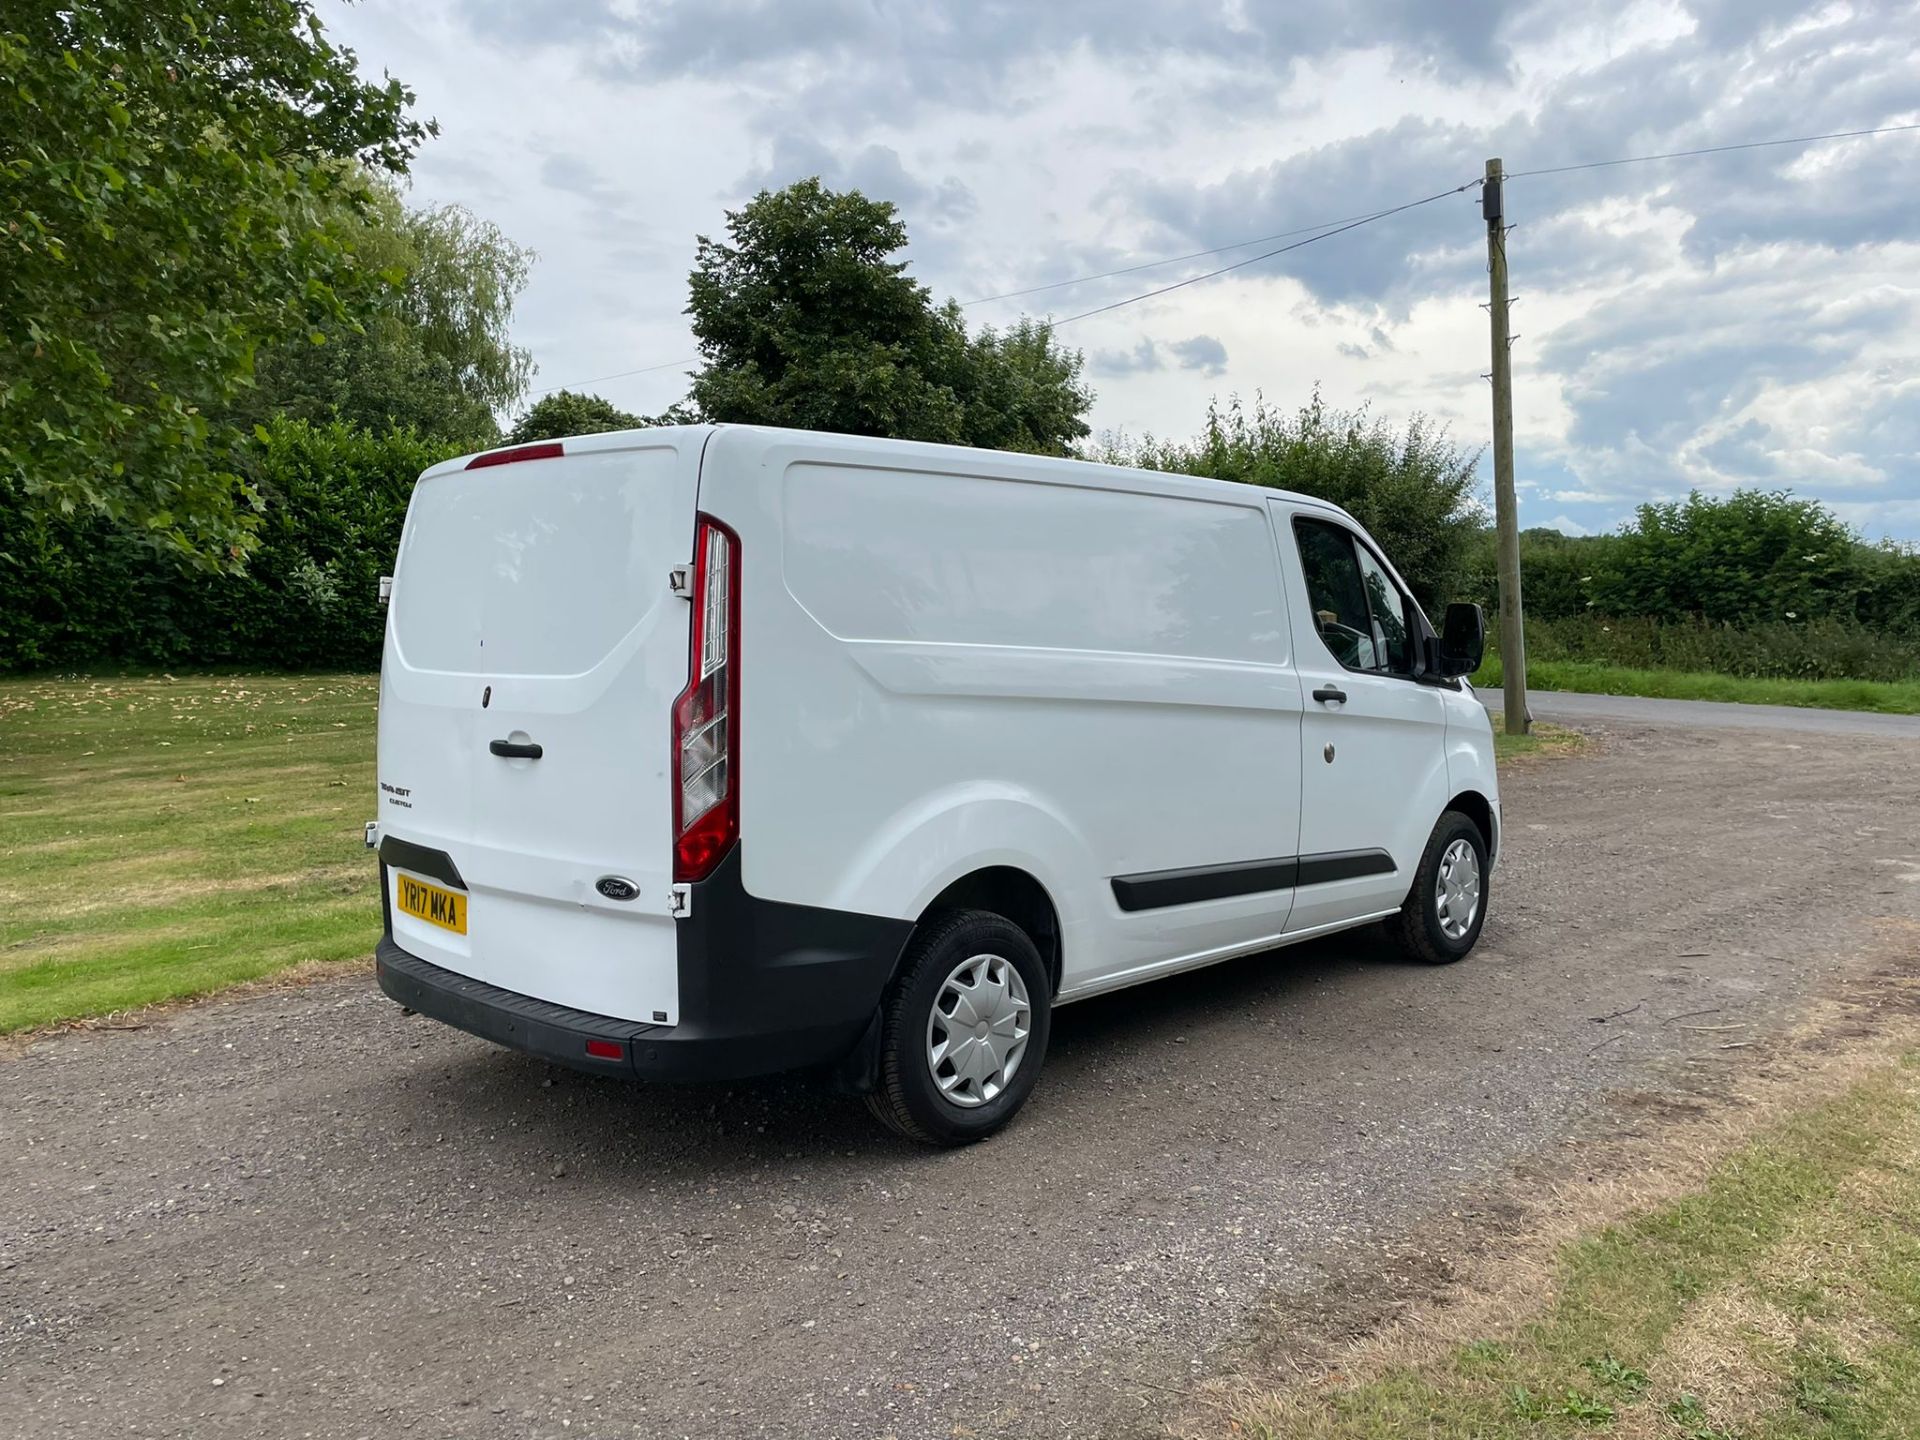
<point x="1456" y="899"/>
<point x="978" y="1030"/>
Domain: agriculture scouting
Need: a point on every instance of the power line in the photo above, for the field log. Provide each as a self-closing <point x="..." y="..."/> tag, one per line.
<point x="617" y="375"/>
<point x="1711" y="150"/>
<point x="1349" y="219"/>
<point x="1267" y="255"/>
<point x="1169" y="260"/>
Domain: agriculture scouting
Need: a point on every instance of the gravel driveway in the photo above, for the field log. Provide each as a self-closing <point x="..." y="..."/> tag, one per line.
<point x="306" y="1214"/>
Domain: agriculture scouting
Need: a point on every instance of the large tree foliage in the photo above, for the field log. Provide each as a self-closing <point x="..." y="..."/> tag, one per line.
<point x="805" y="319"/>
<point x="433" y="355"/>
<point x="1413" y="487"/>
<point x="568" y="412"/>
<point x="168" y="173"/>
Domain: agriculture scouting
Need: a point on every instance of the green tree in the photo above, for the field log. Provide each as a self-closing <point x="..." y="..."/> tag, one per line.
<point x="434" y="356"/>
<point x="1412" y="488"/>
<point x="1751" y="557"/>
<point x="568" y="412"/>
<point x="805" y="319"/>
<point x="1025" y="391"/>
<point x="168" y="171"/>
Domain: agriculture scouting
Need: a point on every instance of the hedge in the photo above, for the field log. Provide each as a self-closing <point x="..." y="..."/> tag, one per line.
<point x="82" y="592"/>
<point x="1823" y="649"/>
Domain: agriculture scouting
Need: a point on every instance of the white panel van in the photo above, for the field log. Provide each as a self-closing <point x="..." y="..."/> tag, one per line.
<point x="712" y="751"/>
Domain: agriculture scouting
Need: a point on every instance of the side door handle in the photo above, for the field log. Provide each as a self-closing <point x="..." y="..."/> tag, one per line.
<point x="1325" y="692"/>
<point x="515" y="750"/>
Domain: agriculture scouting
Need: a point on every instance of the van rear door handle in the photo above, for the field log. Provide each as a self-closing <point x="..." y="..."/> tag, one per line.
<point x="515" y="750"/>
<point x="1325" y="692"/>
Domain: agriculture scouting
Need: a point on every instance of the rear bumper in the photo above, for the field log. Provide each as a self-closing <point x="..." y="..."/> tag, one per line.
<point x="764" y="987"/>
<point x="553" y="1032"/>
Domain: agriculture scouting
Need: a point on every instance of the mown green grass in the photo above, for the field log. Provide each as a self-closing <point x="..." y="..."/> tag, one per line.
<point x="1589" y="677"/>
<point x="1781" y="1301"/>
<point x="162" y="838"/>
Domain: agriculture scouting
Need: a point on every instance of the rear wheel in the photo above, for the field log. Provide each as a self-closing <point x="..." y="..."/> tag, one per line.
<point x="1443" y="912"/>
<point x="963" y="1031"/>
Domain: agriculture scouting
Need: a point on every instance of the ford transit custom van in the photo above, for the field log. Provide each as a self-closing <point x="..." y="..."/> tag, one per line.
<point x="712" y="751"/>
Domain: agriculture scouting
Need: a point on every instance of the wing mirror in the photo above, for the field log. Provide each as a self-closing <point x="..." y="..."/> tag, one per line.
<point x="1463" y="641"/>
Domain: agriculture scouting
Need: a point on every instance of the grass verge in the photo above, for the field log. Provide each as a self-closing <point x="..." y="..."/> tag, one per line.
<point x="1541" y="739"/>
<point x="1780" y="1298"/>
<point x="163" y="838"/>
<point x="1589" y="677"/>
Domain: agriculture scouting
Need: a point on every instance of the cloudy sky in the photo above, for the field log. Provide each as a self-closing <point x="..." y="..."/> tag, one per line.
<point x="1739" y="319"/>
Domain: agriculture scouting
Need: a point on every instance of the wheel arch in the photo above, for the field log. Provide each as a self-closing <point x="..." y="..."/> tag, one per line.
<point x="1477" y="808"/>
<point x="1009" y="891"/>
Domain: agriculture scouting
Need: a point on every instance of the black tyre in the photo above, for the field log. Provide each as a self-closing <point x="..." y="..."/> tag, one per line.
<point x="963" y="1030"/>
<point x="1443" y="912"/>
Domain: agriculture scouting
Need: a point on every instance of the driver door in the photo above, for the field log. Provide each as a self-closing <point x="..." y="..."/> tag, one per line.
<point x="1373" y="753"/>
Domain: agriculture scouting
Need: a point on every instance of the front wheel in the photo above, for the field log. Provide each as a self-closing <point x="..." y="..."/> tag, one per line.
<point x="963" y="1031"/>
<point x="1443" y="912"/>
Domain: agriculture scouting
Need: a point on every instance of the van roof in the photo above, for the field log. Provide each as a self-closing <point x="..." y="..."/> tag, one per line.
<point x="885" y="453"/>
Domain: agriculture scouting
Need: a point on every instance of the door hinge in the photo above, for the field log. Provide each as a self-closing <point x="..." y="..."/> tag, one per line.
<point x="373" y="834"/>
<point x="386" y="589"/>
<point x="680" y="901"/>
<point x="680" y="581"/>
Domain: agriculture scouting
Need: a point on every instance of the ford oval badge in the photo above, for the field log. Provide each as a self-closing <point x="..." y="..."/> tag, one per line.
<point x="616" y="887"/>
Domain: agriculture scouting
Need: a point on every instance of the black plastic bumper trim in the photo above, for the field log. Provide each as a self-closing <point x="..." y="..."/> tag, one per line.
<point x="553" y="1032"/>
<point x="766" y="985"/>
<point x="421" y="860"/>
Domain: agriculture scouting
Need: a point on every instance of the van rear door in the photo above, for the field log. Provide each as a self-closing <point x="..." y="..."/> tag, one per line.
<point x="534" y="651"/>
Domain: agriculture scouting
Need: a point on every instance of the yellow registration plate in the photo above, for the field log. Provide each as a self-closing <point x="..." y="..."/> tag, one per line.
<point x="431" y="904"/>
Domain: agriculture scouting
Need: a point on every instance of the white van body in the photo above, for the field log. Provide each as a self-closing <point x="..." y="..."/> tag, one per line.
<point x="1076" y="695"/>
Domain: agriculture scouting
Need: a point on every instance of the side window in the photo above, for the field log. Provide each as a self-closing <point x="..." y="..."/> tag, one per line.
<point x="1389" y="609"/>
<point x="1356" y="607"/>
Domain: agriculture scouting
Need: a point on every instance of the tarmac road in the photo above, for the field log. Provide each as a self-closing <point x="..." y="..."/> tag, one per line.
<point x="1570" y="707"/>
<point x="304" y="1213"/>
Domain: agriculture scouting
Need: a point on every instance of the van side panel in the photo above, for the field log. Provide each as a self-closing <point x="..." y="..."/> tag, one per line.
<point x="965" y="659"/>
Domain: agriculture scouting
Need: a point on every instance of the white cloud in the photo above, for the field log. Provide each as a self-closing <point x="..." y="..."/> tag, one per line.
<point x="1743" y="319"/>
<point x="1566" y="525"/>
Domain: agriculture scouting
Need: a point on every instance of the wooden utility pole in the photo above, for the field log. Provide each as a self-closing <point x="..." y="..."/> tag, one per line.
<point x="1506" y="513"/>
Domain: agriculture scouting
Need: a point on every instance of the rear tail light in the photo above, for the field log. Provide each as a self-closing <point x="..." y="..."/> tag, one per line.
<point x="706" y="717"/>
